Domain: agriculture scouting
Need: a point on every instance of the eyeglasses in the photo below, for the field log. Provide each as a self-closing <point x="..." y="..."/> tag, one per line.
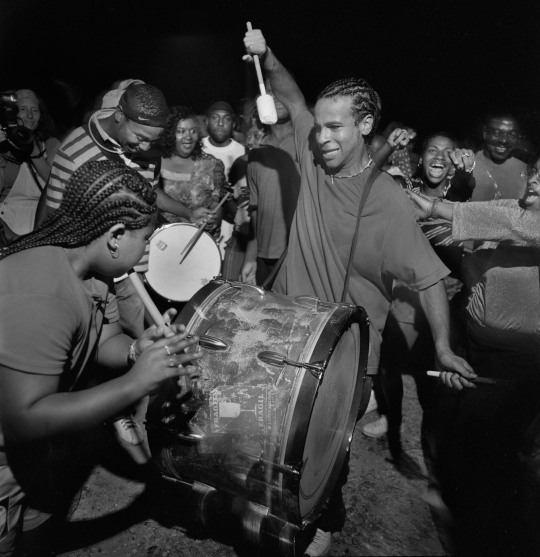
<point x="530" y="173"/>
<point x="499" y="134"/>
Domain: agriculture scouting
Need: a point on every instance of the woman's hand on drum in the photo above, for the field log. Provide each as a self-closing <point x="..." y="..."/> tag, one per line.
<point x="155" y="333"/>
<point x="216" y="215"/>
<point x="458" y="373"/>
<point x="200" y="215"/>
<point x="165" y="359"/>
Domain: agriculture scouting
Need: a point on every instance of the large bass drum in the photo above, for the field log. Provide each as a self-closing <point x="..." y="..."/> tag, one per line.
<point x="271" y="418"/>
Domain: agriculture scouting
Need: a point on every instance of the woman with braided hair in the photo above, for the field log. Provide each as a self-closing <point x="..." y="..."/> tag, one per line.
<point x="58" y="316"/>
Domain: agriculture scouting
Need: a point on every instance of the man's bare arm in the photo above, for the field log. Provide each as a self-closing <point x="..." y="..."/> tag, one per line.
<point x="281" y="81"/>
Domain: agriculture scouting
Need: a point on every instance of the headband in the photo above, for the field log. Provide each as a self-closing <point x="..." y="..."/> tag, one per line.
<point x="156" y="121"/>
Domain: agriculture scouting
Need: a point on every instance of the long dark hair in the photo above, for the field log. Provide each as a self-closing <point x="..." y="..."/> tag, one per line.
<point x="46" y="127"/>
<point x="98" y="195"/>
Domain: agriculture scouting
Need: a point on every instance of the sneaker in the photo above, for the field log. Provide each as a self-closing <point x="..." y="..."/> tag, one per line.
<point x="377" y="428"/>
<point x="372" y="404"/>
<point x="320" y="544"/>
<point x="132" y="439"/>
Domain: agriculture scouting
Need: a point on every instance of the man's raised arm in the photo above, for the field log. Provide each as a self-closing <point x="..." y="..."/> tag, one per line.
<point x="281" y="81"/>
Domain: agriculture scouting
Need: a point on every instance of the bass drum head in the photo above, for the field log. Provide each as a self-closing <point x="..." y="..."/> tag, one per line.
<point x="332" y="422"/>
<point x="180" y="281"/>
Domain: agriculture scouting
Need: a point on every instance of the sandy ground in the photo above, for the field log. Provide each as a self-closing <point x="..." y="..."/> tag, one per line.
<point x="387" y="513"/>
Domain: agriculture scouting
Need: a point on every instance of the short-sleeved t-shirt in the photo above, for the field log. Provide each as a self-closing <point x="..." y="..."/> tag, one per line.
<point x="498" y="181"/>
<point x="391" y="245"/>
<point x="227" y="154"/>
<point x="273" y="178"/>
<point x="50" y="318"/>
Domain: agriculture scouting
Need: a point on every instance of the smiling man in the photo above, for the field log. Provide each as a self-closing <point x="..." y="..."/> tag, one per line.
<point x="497" y="173"/>
<point x="335" y="167"/>
<point x="122" y="134"/>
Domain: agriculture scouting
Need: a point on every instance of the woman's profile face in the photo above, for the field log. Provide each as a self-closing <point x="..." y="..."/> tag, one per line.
<point x="187" y="135"/>
<point x="531" y="199"/>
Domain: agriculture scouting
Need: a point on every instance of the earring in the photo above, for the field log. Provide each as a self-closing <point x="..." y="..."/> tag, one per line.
<point x="114" y="251"/>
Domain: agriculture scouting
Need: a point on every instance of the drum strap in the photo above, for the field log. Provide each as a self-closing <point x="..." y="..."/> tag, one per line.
<point x="267" y="284"/>
<point x="372" y="177"/>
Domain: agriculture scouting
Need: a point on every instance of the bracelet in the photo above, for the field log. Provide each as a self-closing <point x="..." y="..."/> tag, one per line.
<point x="472" y="168"/>
<point x="132" y="355"/>
<point x="433" y="210"/>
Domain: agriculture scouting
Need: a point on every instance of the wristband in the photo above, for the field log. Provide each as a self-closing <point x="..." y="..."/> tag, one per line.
<point x="433" y="210"/>
<point x="132" y="355"/>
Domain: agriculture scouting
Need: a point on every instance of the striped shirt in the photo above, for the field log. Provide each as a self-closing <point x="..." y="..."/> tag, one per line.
<point x="92" y="144"/>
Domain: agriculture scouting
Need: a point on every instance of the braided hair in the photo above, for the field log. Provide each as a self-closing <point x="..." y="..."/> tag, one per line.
<point x="365" y="100"/>
<point x="98" y="195"/>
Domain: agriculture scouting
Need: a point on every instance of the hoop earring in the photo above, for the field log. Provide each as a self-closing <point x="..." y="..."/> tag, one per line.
<point x="115" y="254"/>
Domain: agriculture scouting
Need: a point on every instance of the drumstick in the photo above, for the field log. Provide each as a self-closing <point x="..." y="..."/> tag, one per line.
<point x="183" y="381"/>
<point x="478" y="380"/>
<point x="154" y="312"/>
<point x="199" y="232"/>
<point x="207" y="341"/>
<point x="265" y="102"/>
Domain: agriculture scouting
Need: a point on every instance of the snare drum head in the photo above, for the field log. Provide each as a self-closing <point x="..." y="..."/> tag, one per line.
<point x="330" y="424"/>
<point x="180" y="281"/>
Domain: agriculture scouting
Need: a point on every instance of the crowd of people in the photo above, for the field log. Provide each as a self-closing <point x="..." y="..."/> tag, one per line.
<point x="438" y="242"/>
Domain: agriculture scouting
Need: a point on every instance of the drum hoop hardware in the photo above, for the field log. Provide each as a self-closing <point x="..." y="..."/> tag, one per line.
<point x="294" y="470"/>
<point x="278" y="360"/>
<point x="211" y="343"/>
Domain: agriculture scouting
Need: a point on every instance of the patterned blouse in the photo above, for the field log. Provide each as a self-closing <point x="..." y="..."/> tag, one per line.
<point x="206" y="184"/>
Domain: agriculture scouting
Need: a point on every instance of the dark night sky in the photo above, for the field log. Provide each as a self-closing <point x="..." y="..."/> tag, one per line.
<point x="438" y="65"/>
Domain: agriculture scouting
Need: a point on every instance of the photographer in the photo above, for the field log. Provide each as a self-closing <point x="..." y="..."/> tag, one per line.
<point x="25" y="163"/>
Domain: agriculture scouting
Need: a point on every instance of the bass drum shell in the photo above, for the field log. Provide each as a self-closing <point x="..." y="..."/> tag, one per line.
<point x="276" y="436"/>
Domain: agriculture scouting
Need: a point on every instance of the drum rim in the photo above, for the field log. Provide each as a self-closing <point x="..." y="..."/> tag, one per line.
<point x="148" y="275"/>
<point x="299" y="424"/>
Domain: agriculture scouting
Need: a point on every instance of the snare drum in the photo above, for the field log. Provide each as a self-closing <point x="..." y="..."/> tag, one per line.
<point x="175" y="280"/>
<point x="273" y="412"/>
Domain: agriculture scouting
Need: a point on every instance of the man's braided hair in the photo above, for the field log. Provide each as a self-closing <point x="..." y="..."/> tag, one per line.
<point x="98" y="195"/>
<point x="365" y="100"/>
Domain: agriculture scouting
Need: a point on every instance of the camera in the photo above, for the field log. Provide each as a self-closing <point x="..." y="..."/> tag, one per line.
<point x="19" y="140"/>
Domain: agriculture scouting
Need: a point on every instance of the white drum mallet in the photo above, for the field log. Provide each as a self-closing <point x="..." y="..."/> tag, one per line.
<point x="265" y="103"/>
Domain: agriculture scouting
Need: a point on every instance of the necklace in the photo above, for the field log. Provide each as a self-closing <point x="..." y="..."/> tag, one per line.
<point x="497" y="194"/>
<point x="370" y="160"/>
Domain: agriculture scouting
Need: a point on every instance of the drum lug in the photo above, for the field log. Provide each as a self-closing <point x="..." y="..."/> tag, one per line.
<point x="282" y="468"/>
<point x="211" y="343"/>
<point x="279" y="360"/>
